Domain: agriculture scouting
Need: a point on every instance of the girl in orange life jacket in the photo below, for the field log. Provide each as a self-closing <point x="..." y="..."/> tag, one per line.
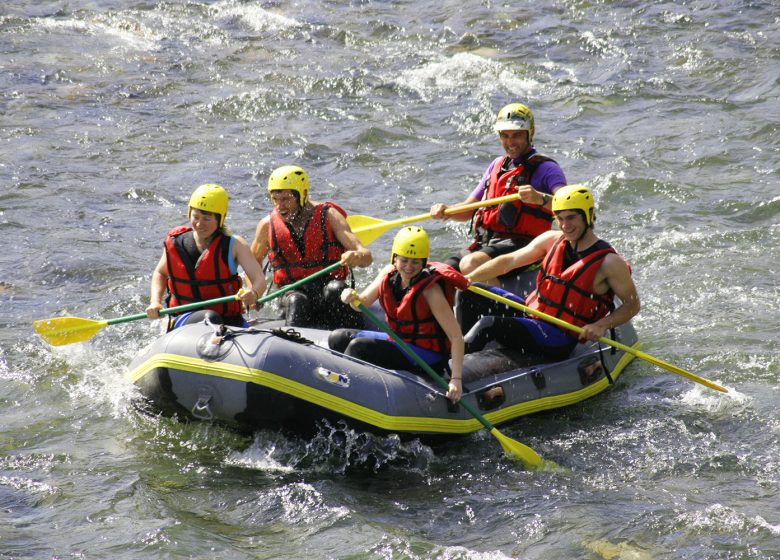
<point x="416" y="297"/>
<point x="199" y="262"/>
<point x="580" y="277"/>
<point x="300" y="237"/>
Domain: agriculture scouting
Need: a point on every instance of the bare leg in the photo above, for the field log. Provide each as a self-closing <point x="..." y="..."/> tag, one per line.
<point x="472" y="261"/>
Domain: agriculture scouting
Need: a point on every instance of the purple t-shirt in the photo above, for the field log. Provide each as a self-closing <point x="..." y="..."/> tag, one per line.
<point x="546" y="178"/>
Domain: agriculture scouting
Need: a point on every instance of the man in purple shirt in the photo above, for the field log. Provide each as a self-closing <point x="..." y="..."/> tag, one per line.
<point x="504" y="228"/>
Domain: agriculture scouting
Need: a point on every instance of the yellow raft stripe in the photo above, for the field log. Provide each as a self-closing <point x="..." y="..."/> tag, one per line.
<point x="304" y="392"/>
<point x="367" y="415"/>
<point x="558" y="401"/>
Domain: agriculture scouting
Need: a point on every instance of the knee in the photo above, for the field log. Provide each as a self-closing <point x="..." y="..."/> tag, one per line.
<point x="213" y="317"/>
<point x="296" y="309"/>
<point x="454" y="262"/>
<point x="295" y="301"/>
<point x="332" y="290"/>
<point x="479" y="328"/>
<point x="479" y="335"/>
<point x="339" y="339"/>
<point x="472" y="261"/>
<point x="360" y="348"/>
<point x="200" y="316"/>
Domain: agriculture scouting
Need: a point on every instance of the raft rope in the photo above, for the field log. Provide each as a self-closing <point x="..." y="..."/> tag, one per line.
<point x="222" y="333"/>
<point x="613" y="351"/>
<point x="291" y="335"/>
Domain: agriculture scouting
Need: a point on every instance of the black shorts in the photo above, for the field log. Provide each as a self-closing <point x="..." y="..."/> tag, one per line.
<point x="498" y="246"/>
<point x="493" y="248"/>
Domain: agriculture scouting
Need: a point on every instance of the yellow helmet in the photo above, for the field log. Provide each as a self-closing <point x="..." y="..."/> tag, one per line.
<point x="575" y="197"/>
<point x="292" y="178"/>
<point x="410" y="242"/>
<point x="515" y="116"/>
<point x="210" y="198"/>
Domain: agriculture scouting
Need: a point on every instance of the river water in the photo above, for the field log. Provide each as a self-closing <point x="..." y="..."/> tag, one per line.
<point x="114" y="111"/>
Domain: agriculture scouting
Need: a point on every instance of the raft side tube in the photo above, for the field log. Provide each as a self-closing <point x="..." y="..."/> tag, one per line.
<point x="262" y="380"/>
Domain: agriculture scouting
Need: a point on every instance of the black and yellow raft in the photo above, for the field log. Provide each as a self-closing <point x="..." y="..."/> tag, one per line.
<point x="271" y="377"/>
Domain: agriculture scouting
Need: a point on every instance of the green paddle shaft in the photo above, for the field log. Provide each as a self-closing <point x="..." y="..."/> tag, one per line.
<point x="225" y="299"/>
<point x="88" y="324"/>
<point x="512" y="447"/>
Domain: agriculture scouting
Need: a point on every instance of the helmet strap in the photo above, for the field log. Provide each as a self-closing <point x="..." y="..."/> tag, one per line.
<point x="585" y="230"/>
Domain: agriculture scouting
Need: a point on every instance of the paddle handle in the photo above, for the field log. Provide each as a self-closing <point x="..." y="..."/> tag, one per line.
<point x="456" y="210"/>
<point x="482" y="204"/>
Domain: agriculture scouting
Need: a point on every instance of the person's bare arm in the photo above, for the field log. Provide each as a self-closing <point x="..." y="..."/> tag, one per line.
<point x="442" y="312"/>
<point x="254" y="272"/>
<point x="260" y="246"/>
<point x="158" y="286"/>
<point x="616" y="275"/>
<point x="531" y="253"/>
<point x="355" y="254"/>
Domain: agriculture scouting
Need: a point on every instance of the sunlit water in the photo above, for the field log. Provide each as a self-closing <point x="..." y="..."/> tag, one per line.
<point x="112" y="112"/>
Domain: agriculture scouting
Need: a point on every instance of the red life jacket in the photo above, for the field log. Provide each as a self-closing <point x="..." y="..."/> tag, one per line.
<point x="568" y="294"/>
<point x="208" y="277"/>
<point x="295" y="257"/>
<point x="529" y="220"/>
<point x="411" y="318"/>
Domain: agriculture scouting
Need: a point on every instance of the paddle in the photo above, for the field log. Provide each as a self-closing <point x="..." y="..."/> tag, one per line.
<point x="513" y="448"/>
<point x="59" y="331"/>
<point x="367" y="229"/>
<point x="618" y="345"/>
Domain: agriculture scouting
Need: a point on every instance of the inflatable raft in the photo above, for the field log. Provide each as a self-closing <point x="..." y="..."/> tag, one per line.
<point x="275" y="377"/>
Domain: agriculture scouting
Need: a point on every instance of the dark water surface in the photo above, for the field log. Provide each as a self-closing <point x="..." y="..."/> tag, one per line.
<point x="112" y="112"/>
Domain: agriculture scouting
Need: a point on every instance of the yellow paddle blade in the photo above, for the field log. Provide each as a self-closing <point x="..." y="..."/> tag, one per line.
<point x="60" y="331"/>
<point x="366" y="228"/>
<point x="356" y="221"/>
<point x="517" y="450"/>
